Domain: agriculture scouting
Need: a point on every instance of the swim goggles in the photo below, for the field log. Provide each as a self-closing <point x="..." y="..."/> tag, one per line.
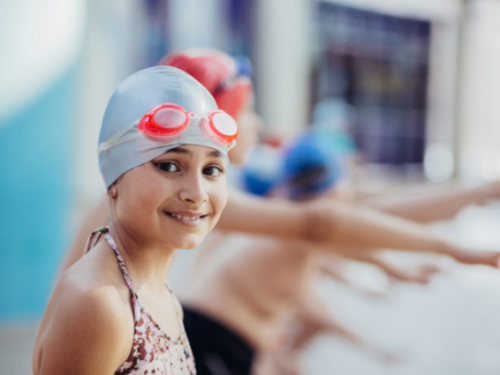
<point x="168" y="121"/>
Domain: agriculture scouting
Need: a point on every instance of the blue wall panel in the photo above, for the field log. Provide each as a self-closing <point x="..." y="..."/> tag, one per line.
<point x="36" y="156"/>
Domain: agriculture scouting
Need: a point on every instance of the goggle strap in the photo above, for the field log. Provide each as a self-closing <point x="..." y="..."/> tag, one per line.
<point x="118" y="138"/>
<point x="232" y="145"/>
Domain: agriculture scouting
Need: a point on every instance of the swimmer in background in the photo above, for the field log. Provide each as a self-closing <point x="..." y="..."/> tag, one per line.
<point x="249" y="285"/>
<point x="324" y="225"/>
<point x="308" y="170"/>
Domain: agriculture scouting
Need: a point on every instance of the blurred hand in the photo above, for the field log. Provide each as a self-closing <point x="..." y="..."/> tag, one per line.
<point x="465" y="256"/>
<point x="419" y="274"/>
<point x="387" y="356"/>
<point x="487" y="192"/>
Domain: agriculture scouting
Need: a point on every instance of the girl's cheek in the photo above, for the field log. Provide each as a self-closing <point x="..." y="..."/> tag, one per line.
<point x="221" y="197"/>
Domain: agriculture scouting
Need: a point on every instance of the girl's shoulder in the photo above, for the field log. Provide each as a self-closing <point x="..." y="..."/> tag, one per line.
<point x="94" y="285"/>
<point x="96" y="273"/>
<point x="92" y="295"/>
<point x="88" y="314"/>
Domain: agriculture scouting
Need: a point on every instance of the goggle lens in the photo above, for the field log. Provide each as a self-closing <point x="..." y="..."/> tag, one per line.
<point x="164" y="121"/>
<point x="170" y="118"/>
<point x="225" y="124"/>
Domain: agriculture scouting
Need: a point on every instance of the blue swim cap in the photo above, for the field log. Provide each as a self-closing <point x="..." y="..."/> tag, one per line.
<point x="122" y="147"/>
<point x="309" y="168"/>
<point x="262" y="169"/>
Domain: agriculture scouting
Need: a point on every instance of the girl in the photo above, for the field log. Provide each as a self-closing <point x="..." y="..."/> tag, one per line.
<point x="163" y="154"/>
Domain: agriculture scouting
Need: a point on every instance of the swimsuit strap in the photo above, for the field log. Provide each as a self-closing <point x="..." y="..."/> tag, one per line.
<point x="94" y="238"/>
<point x="177" y="312"/>
<point x="121" y="263"/>
<point x="92" y="241"/>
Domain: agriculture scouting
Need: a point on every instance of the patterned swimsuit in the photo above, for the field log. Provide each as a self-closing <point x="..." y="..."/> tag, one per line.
<point x="153" y="352"/>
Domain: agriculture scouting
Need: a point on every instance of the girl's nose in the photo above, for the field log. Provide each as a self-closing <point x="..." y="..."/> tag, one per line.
<point x="193" y="190"/>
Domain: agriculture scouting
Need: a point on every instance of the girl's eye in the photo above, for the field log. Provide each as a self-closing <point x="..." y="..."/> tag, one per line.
<point x="212" y="171"/>
<point x="168" y="167"/>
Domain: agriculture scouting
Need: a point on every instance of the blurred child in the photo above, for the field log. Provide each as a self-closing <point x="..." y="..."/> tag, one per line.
<point x="240" y="289"/>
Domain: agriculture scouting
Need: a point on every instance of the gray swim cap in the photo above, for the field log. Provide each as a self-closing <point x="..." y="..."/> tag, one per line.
<point x="123" y="147"/>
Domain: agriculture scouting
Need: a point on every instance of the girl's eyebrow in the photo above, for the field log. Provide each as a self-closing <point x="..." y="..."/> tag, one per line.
<point x="183" y="151"/>
<point x="179" y="150"/>
<point x="215" y="154"/>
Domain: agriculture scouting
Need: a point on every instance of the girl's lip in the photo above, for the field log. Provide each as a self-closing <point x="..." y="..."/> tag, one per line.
<point x="187" y="213"/>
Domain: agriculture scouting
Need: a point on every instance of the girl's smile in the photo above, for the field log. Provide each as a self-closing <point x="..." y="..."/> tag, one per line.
<point x="190" y="219"/>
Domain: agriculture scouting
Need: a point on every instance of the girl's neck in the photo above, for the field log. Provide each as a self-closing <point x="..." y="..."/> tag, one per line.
<point x="147" y="262"/>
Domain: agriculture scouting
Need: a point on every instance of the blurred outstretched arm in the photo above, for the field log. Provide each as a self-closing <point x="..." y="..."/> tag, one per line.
<point x="434" y="205"/>
<point x="416" y="273"/>
<point x="333" y="267"/>
<point x="329" y="225"/>
<point x="322" y="223"/>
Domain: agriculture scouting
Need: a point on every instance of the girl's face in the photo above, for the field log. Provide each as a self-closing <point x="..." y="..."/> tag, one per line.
<point x="173" y="200"/>
<point x="249" y="127"/>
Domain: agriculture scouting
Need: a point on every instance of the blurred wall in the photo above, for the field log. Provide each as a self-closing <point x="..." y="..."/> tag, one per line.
<point x="479" y="109"/>
<point x="38" y="91"/>
<point x="283" y="61"/>
<point x="196" y="23"/>
<point x="108" y="57"/>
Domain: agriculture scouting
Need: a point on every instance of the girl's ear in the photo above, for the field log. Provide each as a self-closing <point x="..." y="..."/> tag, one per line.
<point x="113" y="191"/>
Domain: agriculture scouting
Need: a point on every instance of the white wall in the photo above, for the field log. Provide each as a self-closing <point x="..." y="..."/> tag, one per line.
<point x="196" y="23"/>
<point x="106" y="60"/>
<point x="282" y="63"/>
<point x="480" y="115"/>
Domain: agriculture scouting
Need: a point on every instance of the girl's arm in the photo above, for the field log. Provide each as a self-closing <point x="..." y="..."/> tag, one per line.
<point x="86" y="335"/>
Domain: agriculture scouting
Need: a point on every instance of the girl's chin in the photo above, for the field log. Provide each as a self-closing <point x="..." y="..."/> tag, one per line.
<point x="187" y="247"/>
<point x="192" y="242"/>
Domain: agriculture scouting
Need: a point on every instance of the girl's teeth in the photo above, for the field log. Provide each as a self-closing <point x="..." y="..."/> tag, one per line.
<point x="185" y="217"/>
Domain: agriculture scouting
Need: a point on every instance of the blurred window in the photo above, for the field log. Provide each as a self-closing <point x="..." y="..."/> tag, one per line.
<point x="379" y="65"/>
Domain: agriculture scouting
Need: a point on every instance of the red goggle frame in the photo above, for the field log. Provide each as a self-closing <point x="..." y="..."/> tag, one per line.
<point x="167" y="120"/>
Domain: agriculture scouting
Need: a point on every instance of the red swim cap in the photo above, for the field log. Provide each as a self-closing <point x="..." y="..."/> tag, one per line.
<point x="218" y="72"/>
